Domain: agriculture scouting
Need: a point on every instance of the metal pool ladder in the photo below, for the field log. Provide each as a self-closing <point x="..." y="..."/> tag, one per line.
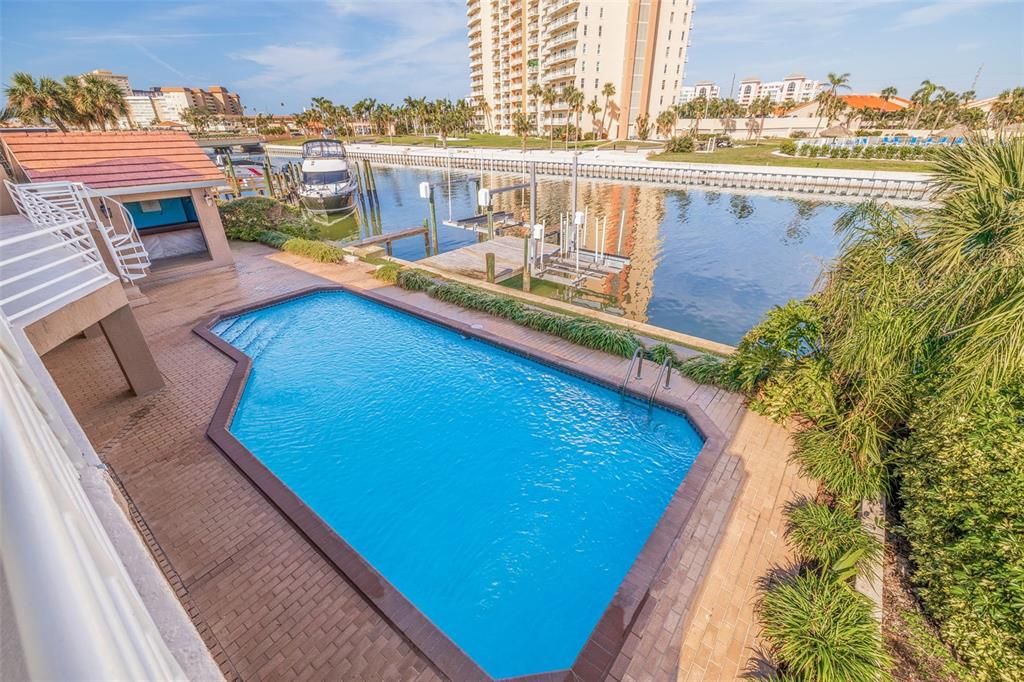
<point x="638" y="360"/>
<point x="666" y="371"/>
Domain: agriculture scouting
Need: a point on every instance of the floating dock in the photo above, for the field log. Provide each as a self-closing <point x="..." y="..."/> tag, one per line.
<point x="470" y="261"/>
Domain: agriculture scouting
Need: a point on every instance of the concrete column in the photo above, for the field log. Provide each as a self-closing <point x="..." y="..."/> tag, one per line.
<point x="213" y="229"/>
<point x="132" y="351"/>
<point x="93" y="332"/>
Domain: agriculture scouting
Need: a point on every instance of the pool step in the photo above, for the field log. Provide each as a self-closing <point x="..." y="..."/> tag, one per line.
<point x="236" y="329"/>
<point x="248" y="335"/>
<point x="262" y="339"/>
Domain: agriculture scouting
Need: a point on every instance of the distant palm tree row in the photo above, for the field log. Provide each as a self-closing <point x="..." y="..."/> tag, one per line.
<point x="442" y="117"/>
<point x="73" y="102"/>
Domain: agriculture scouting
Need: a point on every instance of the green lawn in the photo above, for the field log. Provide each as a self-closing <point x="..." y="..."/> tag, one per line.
<point x="485" y="140"/>
<point x="761" y="155"/>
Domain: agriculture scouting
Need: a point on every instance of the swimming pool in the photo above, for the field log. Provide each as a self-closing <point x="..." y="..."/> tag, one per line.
<point x="505" y="499"/>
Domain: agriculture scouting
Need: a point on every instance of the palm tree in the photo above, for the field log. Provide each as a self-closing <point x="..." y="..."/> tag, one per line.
<point x="829" y="101"/>
<point x="643" y="126"/>
<point x="666" y="122"/>
<point x="104" y="101"/>
<point x="888" y="92"/>
<point x="1008" y="108"/>
<point x="37" y="103"/>
<point x="761" y="107"/>
<point x="199" y="118"/>
<point x="576" y="100"/>
<point x="696" y="108"/>
<point x="484" y="107"/>
<point x="922" y="99"/>
<point x="549" y="97"/>
<point x="521" y="125"/>
<point x="728" y="110"/>
<point x="536" y="92"/>
<point x="838" y="81"/>
<point x="593" y="109"/>
<point x="607" y="91"/>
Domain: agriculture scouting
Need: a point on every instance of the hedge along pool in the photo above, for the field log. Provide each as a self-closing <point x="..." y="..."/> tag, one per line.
<point x="504" y="498"/>
<point x="704" y="263"/>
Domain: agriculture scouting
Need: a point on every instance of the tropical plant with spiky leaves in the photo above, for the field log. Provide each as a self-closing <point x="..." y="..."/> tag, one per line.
<point x="819" y="629"/>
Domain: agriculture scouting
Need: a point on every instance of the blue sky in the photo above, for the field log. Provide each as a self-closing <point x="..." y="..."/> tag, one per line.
<point x="276" y="53"/>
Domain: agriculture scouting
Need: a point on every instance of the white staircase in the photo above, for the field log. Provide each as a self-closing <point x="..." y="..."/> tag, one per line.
<point x="120" y="237"/>
<point x="47" y="261"/>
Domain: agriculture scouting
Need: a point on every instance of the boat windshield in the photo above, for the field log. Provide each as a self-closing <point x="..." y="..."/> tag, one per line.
<point x="323" y="149"/>
<point x="325" y="178"/>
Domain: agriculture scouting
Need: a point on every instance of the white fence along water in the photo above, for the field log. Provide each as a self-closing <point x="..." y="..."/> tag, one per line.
<point x="605" y="166"/>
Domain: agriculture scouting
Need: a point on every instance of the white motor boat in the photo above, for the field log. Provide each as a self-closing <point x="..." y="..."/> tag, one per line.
<point x="327" y="182"/>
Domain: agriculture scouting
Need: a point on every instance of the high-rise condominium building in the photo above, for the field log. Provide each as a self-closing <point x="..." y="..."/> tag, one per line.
<point x="639" y="46"/>
<point x="120" y="80"/>
<point x="217" y="100"/>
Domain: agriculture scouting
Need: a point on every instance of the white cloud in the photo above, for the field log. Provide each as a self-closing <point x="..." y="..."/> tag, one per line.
<point x="418" y="48"/>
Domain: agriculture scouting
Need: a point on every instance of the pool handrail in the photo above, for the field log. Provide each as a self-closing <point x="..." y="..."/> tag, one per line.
<point x="666" y="371"/>
<point x="637" y="357"/>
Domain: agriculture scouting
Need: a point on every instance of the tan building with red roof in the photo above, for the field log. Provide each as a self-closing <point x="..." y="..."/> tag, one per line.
<point x="869" y="101"/>
<point x="158" y="184"/>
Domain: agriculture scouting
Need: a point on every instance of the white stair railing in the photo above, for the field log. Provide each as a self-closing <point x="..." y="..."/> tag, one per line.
<point x="121" y="238"/>
<point x="52" y="261"/>
<point x="78" y="615"/>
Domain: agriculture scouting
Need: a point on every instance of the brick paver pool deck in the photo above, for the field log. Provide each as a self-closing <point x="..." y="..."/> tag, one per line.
<point x="270" y="606"/>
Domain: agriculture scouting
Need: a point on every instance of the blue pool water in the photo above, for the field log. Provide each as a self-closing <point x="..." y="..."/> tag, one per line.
<point x="505" y="499"/>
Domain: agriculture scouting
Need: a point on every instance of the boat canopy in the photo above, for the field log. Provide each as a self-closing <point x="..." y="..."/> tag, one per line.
<point x="315" y="149"/>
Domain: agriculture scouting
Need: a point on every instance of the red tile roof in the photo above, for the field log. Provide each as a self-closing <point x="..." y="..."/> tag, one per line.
<point x="112" y="160"/>
<point x="871" y="102"/>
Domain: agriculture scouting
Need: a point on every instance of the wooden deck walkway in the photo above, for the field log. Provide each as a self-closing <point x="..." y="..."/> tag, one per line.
<point x="469" y="261"/>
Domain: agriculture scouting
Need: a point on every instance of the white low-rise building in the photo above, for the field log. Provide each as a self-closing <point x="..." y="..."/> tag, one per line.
<point x="793" y="88"/>
<point x="705" y="89"/>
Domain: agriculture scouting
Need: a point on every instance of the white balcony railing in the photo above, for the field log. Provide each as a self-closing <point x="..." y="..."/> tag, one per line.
<point x="48" y="262"/>
<point x="77" y="613"/>
<point x="120" y="237"/>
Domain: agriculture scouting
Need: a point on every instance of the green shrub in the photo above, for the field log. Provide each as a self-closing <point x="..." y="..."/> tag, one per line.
<point x="321" y="252"/>
<point x="820" y="630"/>
<point x="962" y="489"/>
<point x="272" y="238"/>
<point x="708" y="369"/>
<point x="825" y="535"/>
<point x="580" y="330"/>
<point x="415" y="280"/>
<point x="662" y="352"/>
<point x="798" y="134"/>
<point x="680" y="145"/>
<point x="246" y="217"/>
<point x="788" y="147"/>
<point x="388" y="272"/>
<point x="831" y="455"/>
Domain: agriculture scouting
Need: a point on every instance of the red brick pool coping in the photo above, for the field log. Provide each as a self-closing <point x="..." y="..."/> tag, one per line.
<point x="616" y="623"/>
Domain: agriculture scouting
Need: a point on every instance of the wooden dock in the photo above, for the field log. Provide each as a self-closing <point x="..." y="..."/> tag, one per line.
<point x="470" y="261"/>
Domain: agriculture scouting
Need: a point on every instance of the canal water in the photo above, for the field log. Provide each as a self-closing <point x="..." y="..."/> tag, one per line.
<point x="703" y="263"/>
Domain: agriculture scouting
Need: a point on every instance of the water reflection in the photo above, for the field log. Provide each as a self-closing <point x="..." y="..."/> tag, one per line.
<point x="701" y="262"/>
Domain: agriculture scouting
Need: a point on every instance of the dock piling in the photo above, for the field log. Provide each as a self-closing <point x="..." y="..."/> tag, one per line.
<point x="526" y="263"/>
<point x="489" y="260"/>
